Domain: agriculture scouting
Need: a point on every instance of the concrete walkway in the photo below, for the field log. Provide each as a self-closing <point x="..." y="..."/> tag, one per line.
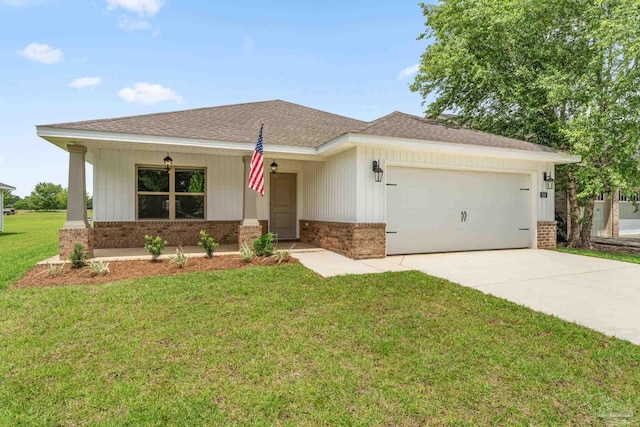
<point x="601" y="294"/>
<point x="328" y="264"/>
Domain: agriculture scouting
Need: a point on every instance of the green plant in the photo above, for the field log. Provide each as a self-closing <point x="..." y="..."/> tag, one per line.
<point x="246" y="253"/>
<point x="208" y="243"/>
<point x="264" y="245"/>
<point x="78" y="257"/>
<point x="281" y="256"/>
<point x="98" y="268"/>
<point x="180" y="259"/>
<point x="154" y="245"/>
<point x="54" y="270"/>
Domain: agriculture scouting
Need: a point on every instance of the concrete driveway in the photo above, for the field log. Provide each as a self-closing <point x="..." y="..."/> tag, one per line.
<point x="601" y="294"/>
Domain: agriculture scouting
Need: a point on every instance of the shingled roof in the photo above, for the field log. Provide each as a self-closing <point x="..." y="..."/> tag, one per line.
<point x="285" y="123"/>
<point x="401" y="125"/>
<point x="293" y="125"/>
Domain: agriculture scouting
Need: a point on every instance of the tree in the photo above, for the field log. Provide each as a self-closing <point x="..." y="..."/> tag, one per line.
<point x="9" y="199"/>
<point x="45" y="196"/>
<point x="61" y="199"/>
<point x="560" y="73"/>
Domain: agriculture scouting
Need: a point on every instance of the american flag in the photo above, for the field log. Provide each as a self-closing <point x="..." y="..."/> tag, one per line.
<point x="256" y="173"/>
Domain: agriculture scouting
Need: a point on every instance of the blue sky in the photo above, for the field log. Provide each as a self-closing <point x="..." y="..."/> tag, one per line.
<point x="68" y="60"/>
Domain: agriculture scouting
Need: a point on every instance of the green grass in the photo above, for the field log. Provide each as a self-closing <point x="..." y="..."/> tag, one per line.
<point x="282" y="346"/>
<point x="29" y="237"/>
<point x="597" y="254"/>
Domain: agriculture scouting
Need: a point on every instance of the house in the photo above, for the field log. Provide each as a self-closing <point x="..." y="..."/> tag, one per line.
<point x="614" y="214"/>
<point x="397" y="185"/>
<point x="3" y="188"/>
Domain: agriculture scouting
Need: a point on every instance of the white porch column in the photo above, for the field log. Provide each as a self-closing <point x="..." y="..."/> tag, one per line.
<point x="77" y="197"/>
<point x="250" y="203"/>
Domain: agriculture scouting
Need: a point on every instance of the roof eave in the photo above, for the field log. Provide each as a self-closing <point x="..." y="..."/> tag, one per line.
<point x="80" y="136"/>
<point x="454" y="148"/>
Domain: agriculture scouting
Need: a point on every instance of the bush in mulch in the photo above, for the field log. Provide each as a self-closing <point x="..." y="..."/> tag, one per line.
<point x="120" y="270"/>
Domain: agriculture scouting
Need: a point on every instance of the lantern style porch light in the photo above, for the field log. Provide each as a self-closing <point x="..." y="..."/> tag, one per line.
<point x="548" y="179"/>
<point x="168" y="162"/>
<point x="377" y="170"/>
<point x="274" y="167"/>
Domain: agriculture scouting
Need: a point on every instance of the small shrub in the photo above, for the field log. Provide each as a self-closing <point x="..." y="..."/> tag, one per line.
<point x="78" y="257"/>
<point x="154" y="245"/>
<point x="54" y="270"/>
<point x="281" y="256"/>
<point x="264" y="245"/>
<point x="98" y="268"/>
<point x="180" y="259"/>
<point x="208" y="243"/>
<point x="246" y="253"/>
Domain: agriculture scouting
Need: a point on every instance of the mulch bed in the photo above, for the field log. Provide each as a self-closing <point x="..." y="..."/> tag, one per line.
<point x="120" y="270"/>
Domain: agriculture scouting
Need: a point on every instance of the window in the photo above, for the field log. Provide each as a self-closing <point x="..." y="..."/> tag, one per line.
<point x="178" y="194"/>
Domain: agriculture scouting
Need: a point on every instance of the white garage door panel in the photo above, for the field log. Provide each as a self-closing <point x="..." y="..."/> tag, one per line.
<point x="431" y="210"/>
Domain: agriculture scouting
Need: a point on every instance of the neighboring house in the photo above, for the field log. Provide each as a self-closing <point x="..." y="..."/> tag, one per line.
<point x="614" y="215"/>
<point x="3" y="188"/>
<point x="442" y="187"/>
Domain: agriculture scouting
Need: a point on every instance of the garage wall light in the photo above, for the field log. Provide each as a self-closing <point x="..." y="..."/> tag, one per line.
<point x="377" y="170"/>
<point x="548" y="179"/>
<point x="274" y="167"/>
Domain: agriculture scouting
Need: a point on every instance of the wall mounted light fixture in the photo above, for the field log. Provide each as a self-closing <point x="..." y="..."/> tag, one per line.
<point x="548" y="179"/>
<point x="168" y="162"/>
<point x="274" y="167"/>
<point x="377" y="170"/>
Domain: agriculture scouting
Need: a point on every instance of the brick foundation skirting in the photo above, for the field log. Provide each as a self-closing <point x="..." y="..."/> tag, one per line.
<point x="547" y="237"/>
<point x="130" y="234"/>
<point x="355" y="240"/>
<point x="70" y="236"/>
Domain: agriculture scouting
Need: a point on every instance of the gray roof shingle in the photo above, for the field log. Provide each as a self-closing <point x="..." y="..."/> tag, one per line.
<point x="291" y="124"/>
<point x="285" y="123"/>
<point x="401" y="125"/>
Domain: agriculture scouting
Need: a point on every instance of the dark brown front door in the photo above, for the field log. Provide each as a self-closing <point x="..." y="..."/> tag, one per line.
<point x="283" y="205"/>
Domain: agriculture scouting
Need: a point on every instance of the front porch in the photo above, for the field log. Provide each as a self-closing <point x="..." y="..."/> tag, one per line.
<point x="135" y="195"/>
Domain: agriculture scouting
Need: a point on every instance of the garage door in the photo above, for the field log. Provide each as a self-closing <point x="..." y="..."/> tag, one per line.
<point x="433" y="210"/>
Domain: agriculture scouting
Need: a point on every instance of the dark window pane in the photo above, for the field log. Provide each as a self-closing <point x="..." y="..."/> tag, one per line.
<point x="156" y="180"/>
<point x="153" y="207"/>
<point x="189" y="181"/>
<point x="190" y="207"/>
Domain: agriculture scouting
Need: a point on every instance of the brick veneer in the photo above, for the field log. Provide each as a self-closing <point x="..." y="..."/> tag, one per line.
<point x="355" y="240"/>
<point x="248" y="233"/>
<point x="130" y="234"/>
<point x="70" y="236"/>
<point x="547" y="237"/>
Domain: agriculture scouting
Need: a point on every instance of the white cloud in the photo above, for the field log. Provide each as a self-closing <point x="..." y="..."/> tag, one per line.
<point x="409" y="71"/>
<point x="148" y="93"/>
<point x="134" y="24"/>
<point x="141" y="7"/>
<point x="41" y="53"/>
<point x="83" y="82"/>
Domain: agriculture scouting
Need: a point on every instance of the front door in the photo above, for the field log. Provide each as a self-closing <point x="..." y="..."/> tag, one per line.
<point x="283" y="215"/>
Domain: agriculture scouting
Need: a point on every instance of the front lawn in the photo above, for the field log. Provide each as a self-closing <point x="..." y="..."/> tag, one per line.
<point x="280" y="345"/>
<point x="598" y="254"/>
<point x="28" y="238"/>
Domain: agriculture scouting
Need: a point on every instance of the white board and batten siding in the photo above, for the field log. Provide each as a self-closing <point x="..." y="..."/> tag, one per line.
<point x="326" y="190"/>
<point x="114" y="182"/>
